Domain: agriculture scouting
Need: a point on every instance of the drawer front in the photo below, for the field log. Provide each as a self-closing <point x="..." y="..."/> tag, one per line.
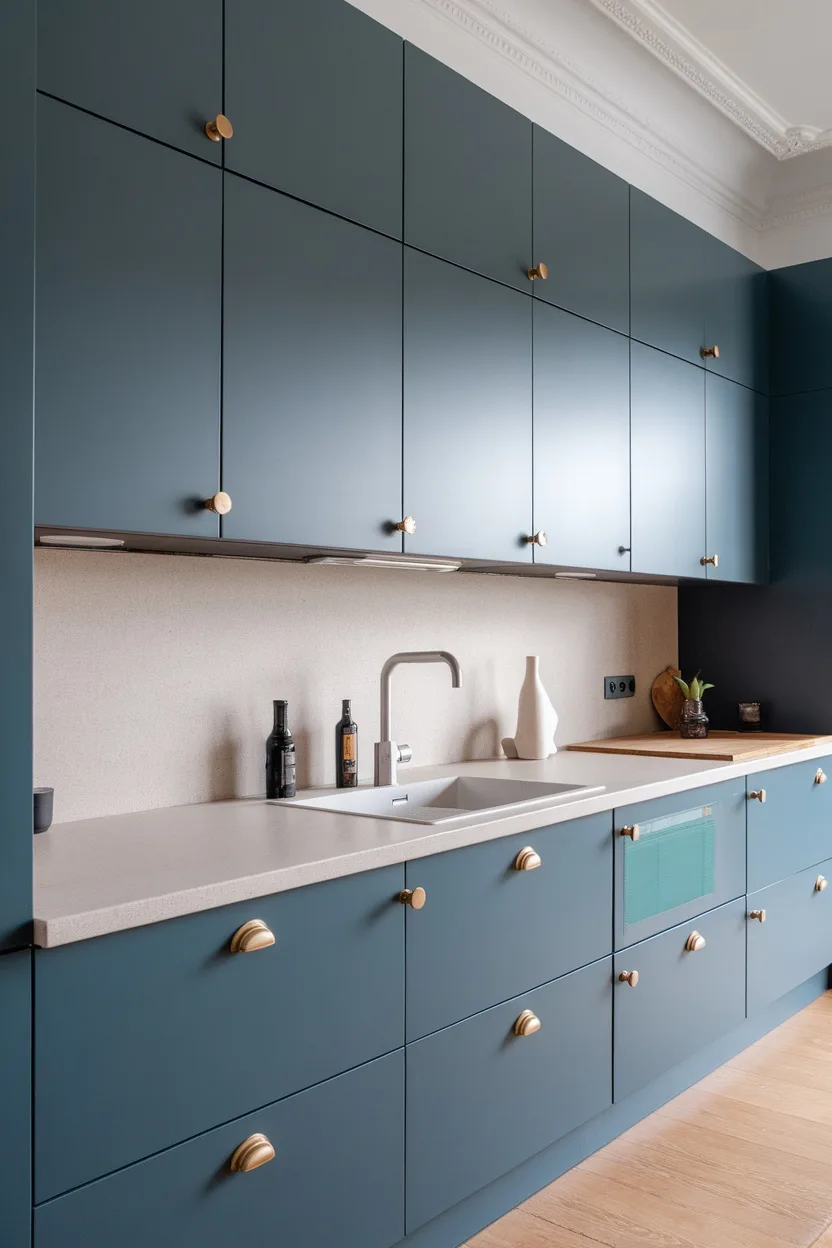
<point x="688" y="856"/>
<point x="794" y="940"/>
<point x="337" y="1178"/>
<point x="481" y="1099"/>
<point x="792" y="828"/>
<point x="165" y="1032"/>
<point x="489" y="931"/>
<point x="683" y="999"/>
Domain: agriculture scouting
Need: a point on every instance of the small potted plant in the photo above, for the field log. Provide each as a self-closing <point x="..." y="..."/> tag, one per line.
<point x="694" y="720"/>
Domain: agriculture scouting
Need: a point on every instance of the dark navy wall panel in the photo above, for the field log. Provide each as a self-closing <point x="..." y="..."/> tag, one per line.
<point x="15" y="1096"/>
<point x="801" y="327"/>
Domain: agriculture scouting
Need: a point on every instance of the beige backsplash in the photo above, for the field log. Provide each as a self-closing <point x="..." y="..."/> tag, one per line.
<point x="154" y="675"/>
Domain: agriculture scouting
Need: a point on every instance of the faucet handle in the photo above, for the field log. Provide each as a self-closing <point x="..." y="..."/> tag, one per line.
<point x="405" y="754"/>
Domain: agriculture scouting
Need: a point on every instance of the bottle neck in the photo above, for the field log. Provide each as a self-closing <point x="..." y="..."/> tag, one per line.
<point x="280" y="716"/>
<point x="346" y="708"/>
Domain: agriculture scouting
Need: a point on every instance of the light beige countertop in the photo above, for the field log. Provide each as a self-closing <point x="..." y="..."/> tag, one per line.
<point x="104" y="875"/>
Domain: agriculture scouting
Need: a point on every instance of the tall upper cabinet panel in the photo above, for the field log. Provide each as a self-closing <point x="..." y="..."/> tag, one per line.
<point x="669" y="282"/>
<point x="737" y="485"/>
<point x="468" y="174"/>
<point x="155" y="66"/>
<point x="127" y="341"/>
<point x="736" y="316"/>
<point x="314" y="93"/>
<point x="581" y="233"/>
<point x="801" y="327"/>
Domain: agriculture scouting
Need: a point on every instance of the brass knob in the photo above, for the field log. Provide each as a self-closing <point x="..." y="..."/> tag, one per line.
<point x="759" y="915"/>
<point x="252" y="936"/>
<point x="713" y="560"/>
<point x="527" y="860"/>
<point x="757" y="795"/>
<point x="253" y="1152"/>
<point x="820" y="776"/>
<point x="632" y="830"/>
<point x="538" y="539"/>
<point x="527" y="1024"/>
<point x="695" y="942"/>
<point x="629" y="977"/>
<point x="220" y="503"/>
<point x="219" y="128"/>
<point x="709" y="353"/>
<point x="413" y="897"/>
<point x="539" y="271"/>
<point x="408" y="526"/>
<point x="821" y="884"/>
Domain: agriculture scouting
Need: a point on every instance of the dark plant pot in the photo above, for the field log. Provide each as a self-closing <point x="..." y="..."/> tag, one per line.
<point x="694" y="720"/>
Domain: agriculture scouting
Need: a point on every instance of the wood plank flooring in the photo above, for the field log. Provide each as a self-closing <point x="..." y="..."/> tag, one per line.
<point x="741" y="1160"/>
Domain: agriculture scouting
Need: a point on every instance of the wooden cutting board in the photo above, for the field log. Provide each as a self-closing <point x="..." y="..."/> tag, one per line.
<point x="722" y="747"/>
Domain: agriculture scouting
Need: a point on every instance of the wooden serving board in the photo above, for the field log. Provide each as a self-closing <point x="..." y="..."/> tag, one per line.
<point x="722" y="747"/>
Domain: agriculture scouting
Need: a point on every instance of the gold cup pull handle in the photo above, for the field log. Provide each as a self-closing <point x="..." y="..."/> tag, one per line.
<point x="413" y="897"/>
<point x="220" y="503"/>
<point x="757" y="795"/>
<point x="759" y="915"/>
<point x="252" y="936"/>
<point x="821" y="884"/>
<point x="632" y="830"/>
<point x="253" y="1152"/>
<point x="539" y="271"/>
<point x="629" y="977"/>
<point x="527" y="860"/>
<point x="713" y="560"/>
<point x="219" y="128"/>
<point x="709" y="353"/>
<point x="526" y="1024"/>
<point x="537" y="539"/>
<point x="408" y="526"/>
<point x="695" y="942"/>
<point x="820" y="776"/>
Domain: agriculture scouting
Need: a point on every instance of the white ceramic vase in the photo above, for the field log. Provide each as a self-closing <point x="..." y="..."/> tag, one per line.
<point x="537" y="719"/>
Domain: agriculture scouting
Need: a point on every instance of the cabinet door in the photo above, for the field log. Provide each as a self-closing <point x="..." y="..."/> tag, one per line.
<point x="668" y="279"/>
<point x="791" y="827"/>
<point x="667" y="416"/>
<point x="801" y="326"/>
<point x="312" y="375"/>
<point x="581" y="442"/>
<point x="155" y="67"/>
<point x="794" y="939"/>
<point x="15" y="1099"/>
<point x="581" y="233"/>
<point x="314" y="92"/>
<point x="736" y="477"/>
<point x="736" y="319"/>
<point x="467" y="413"/>
<point x="127" y="330"/>
<point x="468" y="173"/>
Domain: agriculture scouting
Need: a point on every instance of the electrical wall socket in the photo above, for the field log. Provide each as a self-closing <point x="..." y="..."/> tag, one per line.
<point x="619" y="686"/>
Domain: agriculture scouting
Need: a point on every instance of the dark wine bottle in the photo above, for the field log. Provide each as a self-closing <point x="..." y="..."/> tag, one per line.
<point x="280" y="756"/>
<point x="346" y="748"/>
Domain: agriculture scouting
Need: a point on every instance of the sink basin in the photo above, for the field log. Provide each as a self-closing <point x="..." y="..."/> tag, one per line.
<point x="452" y="800"/>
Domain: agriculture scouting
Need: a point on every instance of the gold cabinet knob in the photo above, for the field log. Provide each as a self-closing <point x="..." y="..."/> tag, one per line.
<point x="629" y="977"/>
<point x="538" y="539"/>
<point x="413" y="897"/>
<point x="408" y="526"/>
<point x="632" y="830"/>
<point x="539" y="271"/>
<point x="709" y="353"/>
<point x="527" y="860"/>
<point x="757" y="795"/>
<point x="220" y="503"/>
<point x="713" y="560"/>
<point x="527" y="1024"/>
<point x="821" y="884"/>
<point x="695" y="942"/>
<point x="219" y="128"/>
<point x="252" y="936"/>
<point x="253" y="1152"/>
<point x="820" y="776"/>
<point x="759" y="915"/>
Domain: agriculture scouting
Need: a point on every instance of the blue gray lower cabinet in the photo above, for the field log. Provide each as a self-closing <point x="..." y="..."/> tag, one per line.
<point x="481" y="1100"/>
<point x="149" y="1036"/>
<point x="683" y="999"/>
<point x="15" y="1099"/>
<point x="736" y="481"/>
<point x="792" y="828"/>
<point x="337" y="1177"/>
<point x="795" y="938"/>
<point x="496" y="931"/>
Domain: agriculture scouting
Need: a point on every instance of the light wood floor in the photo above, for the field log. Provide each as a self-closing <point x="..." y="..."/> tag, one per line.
<point x="741" y="1160"/>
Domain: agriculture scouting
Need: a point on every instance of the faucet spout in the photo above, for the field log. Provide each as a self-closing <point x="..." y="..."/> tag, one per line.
<point x="387" y="752"/>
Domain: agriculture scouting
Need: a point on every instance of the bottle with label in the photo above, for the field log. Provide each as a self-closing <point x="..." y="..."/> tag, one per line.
<point x="346" y="748"/>
<point x="280" y="756"/>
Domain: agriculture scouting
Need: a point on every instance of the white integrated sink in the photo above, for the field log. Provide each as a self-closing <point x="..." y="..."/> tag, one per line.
<point x="452" y="800"/>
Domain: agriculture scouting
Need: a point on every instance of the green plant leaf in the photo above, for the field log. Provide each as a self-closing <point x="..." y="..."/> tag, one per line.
<point x="683" y="685"/>
<point x="696" y="688"/>
<point x="707" y="686"/>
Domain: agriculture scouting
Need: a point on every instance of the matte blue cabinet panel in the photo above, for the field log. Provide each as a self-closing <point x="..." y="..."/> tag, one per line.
<point x="792" y="829"/>
<point x="467" y="413"/>
<point x="582" y="233"/>
<point x="314" y="92"/>
<point x="736" y="481"/>
<point x="337" y="1178"/>
<point x="801" y="448"/>
<point x="164" y="1032"/>
<point x="15" y="1099"/>
<point x="312" y="375"/>
<point x="682" y="1001"/>
<point x="669" y="283"/>
<point x="801" y="326"/>
<point x="795" y="940"/>
<point x="736" y="318"/>
<point x="667" y="470"/>
<point x="467" y="173"/>
<point x="128" y="330"/>
<point x="481" y="1099"/>
<point x="488" y="931"/>
<point x="155" y="67"/>
<point x="581" y="442"/>
<point x="689" y="856"/>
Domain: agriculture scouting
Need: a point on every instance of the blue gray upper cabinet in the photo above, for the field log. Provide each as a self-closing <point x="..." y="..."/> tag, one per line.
<point x="127" y="329"/>
<point x="667" y="465"/>
<point x="314" y="92"/>
<point x="736" y="478"/>
<point x="736" y="317"/>
<point x="468" y="174"/>
<point x="581" y="233"/>
<point x="668" y="279"/>
<point x="581" y="442"/>
<point x="15" y="1097"/>
<point x="312" y="375"/>
<point x="801" y="327"/>
<point x="467" y="413"/>
<point x="155" y="67"/>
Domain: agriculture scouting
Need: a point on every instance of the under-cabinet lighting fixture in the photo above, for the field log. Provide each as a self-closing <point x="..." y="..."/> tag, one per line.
<point x="385" y="561"/>
<point x="575" y="576"/>
<point x="86" y="541"/>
